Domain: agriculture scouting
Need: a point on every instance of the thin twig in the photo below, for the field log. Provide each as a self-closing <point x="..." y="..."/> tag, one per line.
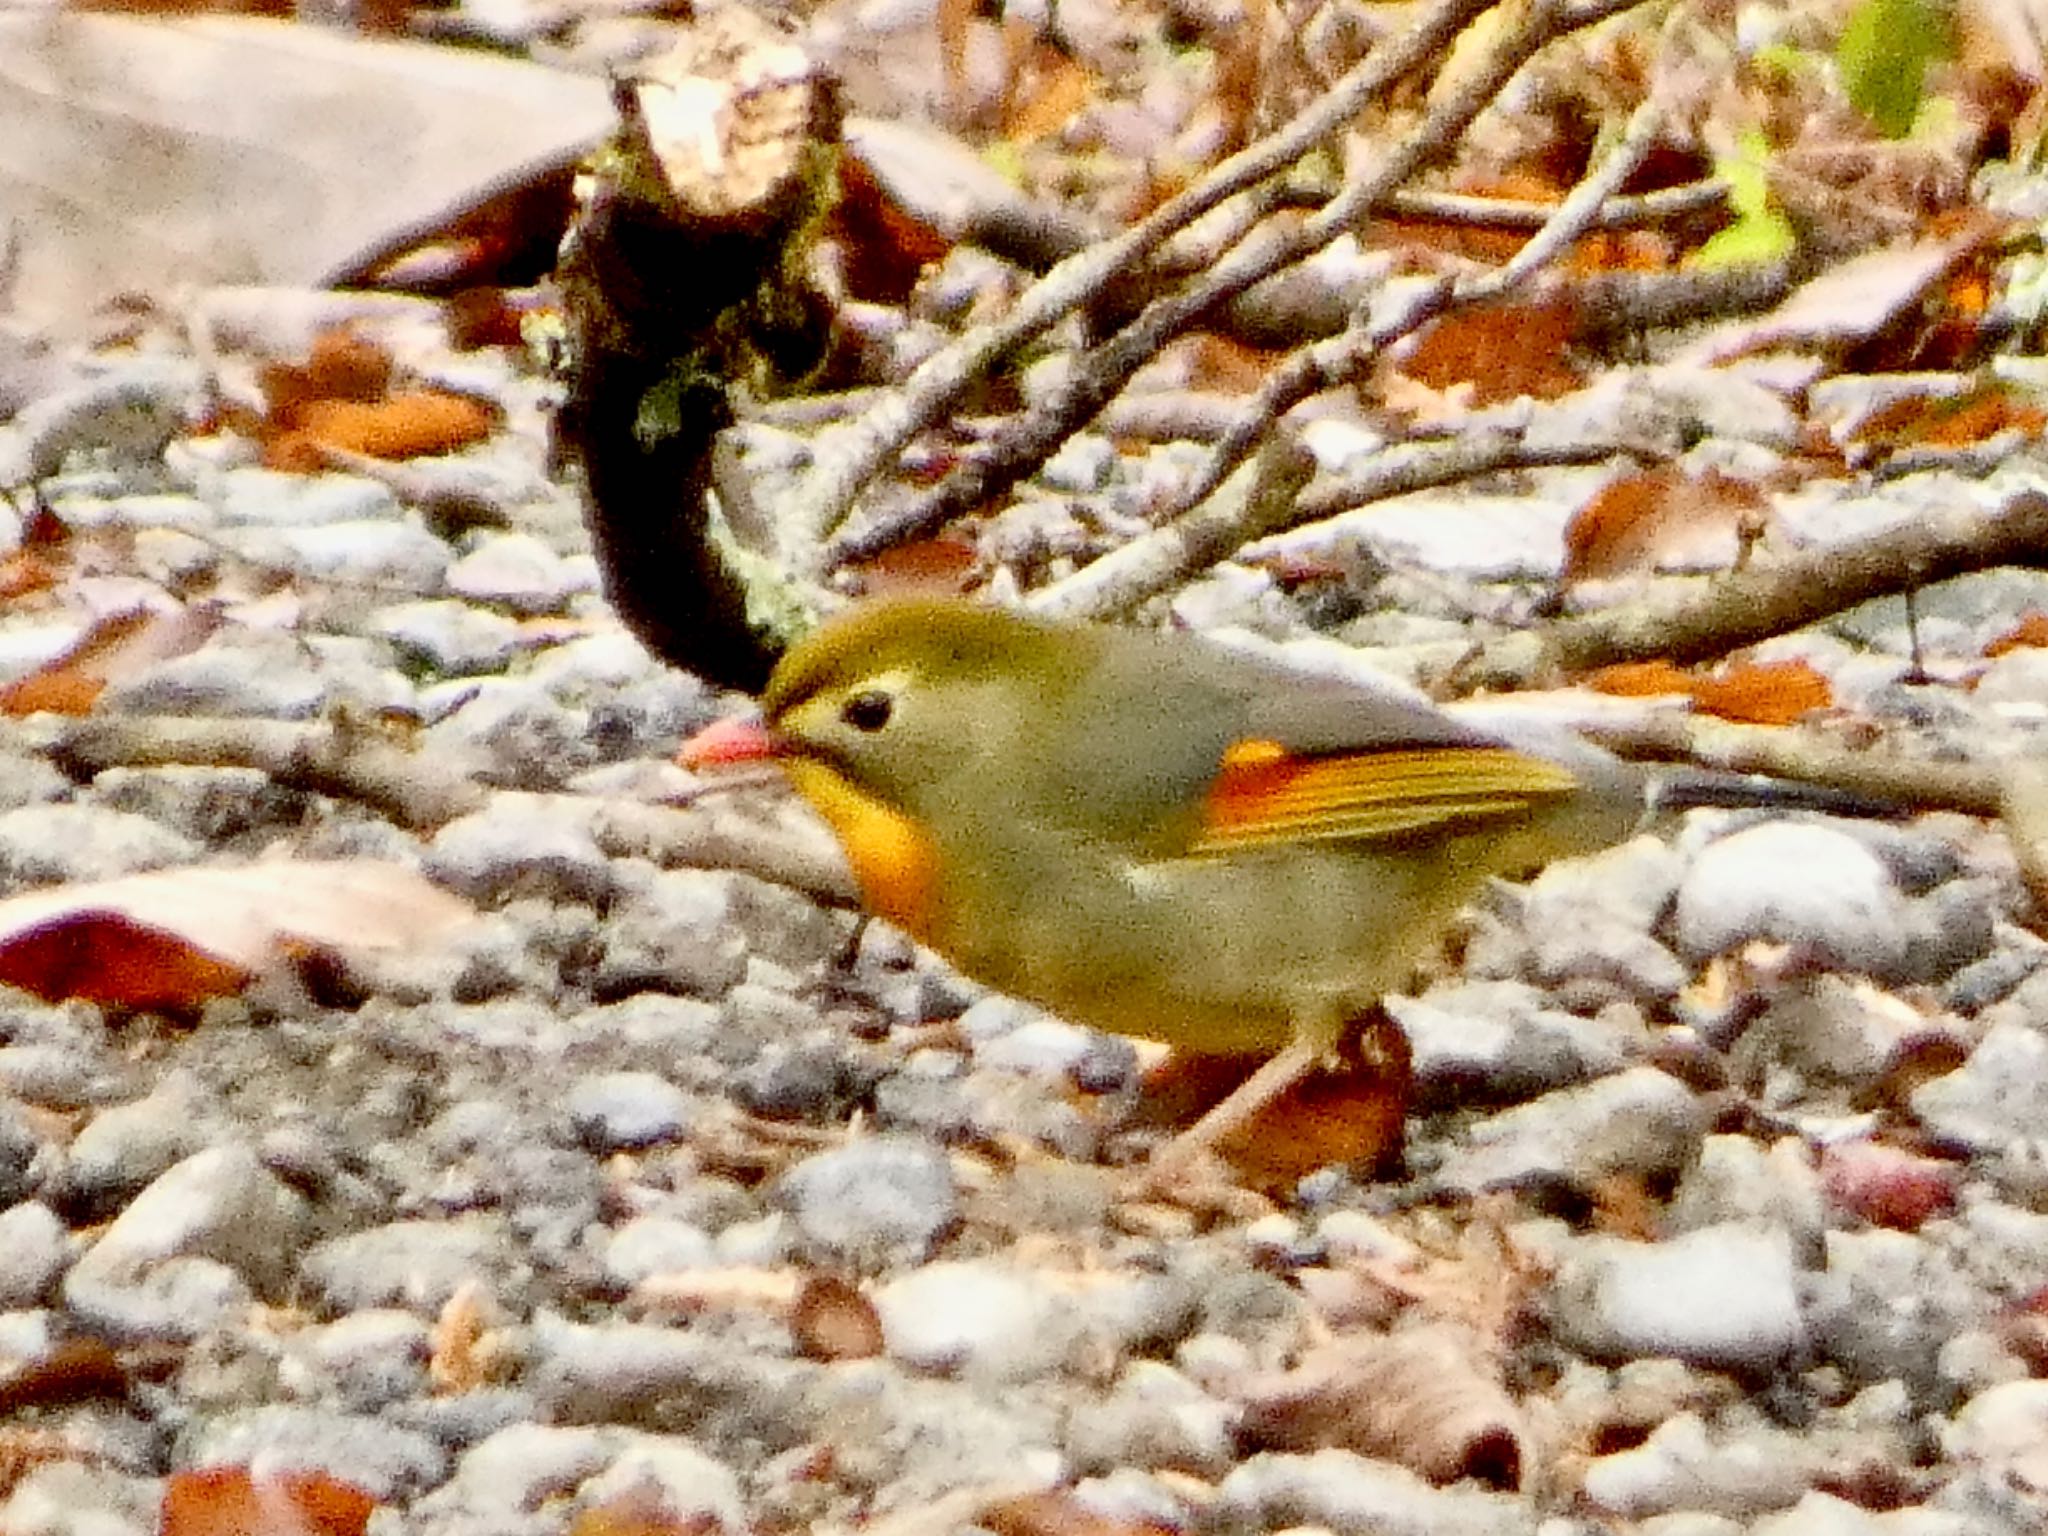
<point x="1253" y="502"/>
<point x="845" y="466"/>
<point x="1686" y="621"/>
<point x="1098" y="375"/>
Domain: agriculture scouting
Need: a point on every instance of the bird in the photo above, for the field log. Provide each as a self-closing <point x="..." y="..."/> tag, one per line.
<point x="1151" y="834"/>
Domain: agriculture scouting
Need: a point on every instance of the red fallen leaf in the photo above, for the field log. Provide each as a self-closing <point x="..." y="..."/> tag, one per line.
<point x="942" y="566"/>
<point x="2032" y="630"/>
<point x="1357" y="1114"/>
<point x="1886" y="1186"/>
<point x="119" y="645"/>
<point x="176" y="938"/>
<point x="230" y="1501"/>
<point x="1639" y="679"/>
<point x="1504" y="351"/>
<point x="1763" y="693"/>
<point x="74" y="1372"/>
<point x="1660" y="517"/>
<point x="342" y="364"/>
<point x="406" y="425"/>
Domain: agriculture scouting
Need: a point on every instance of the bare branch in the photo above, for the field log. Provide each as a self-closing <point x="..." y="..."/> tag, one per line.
<point x="1684" y="621"/>
<point x="846" y="465"/>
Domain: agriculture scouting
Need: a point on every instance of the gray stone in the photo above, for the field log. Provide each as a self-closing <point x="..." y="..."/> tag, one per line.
<point x="1998" y="1096"/>
<point x="1725" y="1297"/>
<point x="515" y="848"/>
<point x="657" y="1245"/>
<point x="49" y="844"/>
<point x="365" y="1361"/>
<point x="1885" y="1305"/>
<point x="78" y="1498"/>
<point x="1774" y="1188"/>
<point x="384" y="1460"/>
<point x="518" y="572"/>
<point x="672" y="931"/>
<point x="584" y="1374"/>
<point x="873" y="1202"/>
<point x="1155" y="1417"/>
<point x="392" y="554"/>
<point x="209" y="805"/>
<point x="1799" y="883"/>
<point x="35" y="1250"/>
<point x="624" y="1111"/>
<point x="1497" y="1039"/>
<point x="415" y="1264"/>
<point x="1639" y="1122"/>
<point x="125" y="1146"/>
<point x="448" y="637"/>
<point x="273" y="498"/>
<point x="19" y="1146"/>
<point x="164" y="1266"/>
<point x="1351" y="1495"/>
<point x="515" y="732"/>
<point x="1739" y="1471"/>
<point x="2005" y="1430"/>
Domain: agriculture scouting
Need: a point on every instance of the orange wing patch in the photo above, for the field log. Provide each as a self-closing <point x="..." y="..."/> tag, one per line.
<point x="1263" y="795"/>
<point x="892" y="857"/>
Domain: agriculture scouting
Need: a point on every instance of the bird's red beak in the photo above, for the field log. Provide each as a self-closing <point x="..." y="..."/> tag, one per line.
<point x="727" y="743"/>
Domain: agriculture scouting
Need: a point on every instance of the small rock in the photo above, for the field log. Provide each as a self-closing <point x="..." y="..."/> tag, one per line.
<point x="1351" y="1494"/>
<point x="513" y="729"/>
<point x="1799" y="883"/>
<point x="52" y="844"/>
<point x="366" y="1360"/>
<point x="211" y="806"/>
<point x="220" y="1205"/>
<point x="657" y="1245"/>
<point x="1640" y="1122"/>
<point x="977" y="1319"/>
<point x="2005" y="1428"/>
<point x="1085" y="462"/>
<point x="415" y="1264"/>
<point x="682" y="1487"/>
<point x="271" y="498"/>
<point x="1739" y="1471"/>
<point x="1771" y="1188"/>
<point x="383" y="1460"/>
<point x="1725" y="1297"/>
<point x="873" y="1202"/>
<point x="1497" y="1040"/>
<point x="1154" y="1418"/>
<point x="35" y="1250"/>
<point x="519" y="572"/>
<point x="671" y="931"/>
<point x="19" y="1146"/>
<point x="625" y="1111"/>
<point x="392" y="554"/>
<point x="448" y="637"/>
<point x="1998" y="1096"/>
<point x="78" y="1498"/>
<point x="515" y="848"/>
<point x="123" y="1147"/>
<point x="1886" y="1302"/>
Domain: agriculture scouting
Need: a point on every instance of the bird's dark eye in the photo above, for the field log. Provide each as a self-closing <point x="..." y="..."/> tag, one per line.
<point x="867" y="711"/>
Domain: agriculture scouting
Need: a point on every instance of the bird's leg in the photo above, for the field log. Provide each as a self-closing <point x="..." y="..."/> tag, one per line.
<point x="1177" y="1158"/>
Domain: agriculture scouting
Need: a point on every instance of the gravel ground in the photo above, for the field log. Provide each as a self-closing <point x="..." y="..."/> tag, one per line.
<point x="667" y="1189"/>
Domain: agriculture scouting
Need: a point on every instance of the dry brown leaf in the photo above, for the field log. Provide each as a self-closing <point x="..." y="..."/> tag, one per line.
<point x="231" y="1501"/>
<point x="2032" y="630"/>
<point x="174" y="938"/>
<point x="76" y="1371"/>
<point x="1055" y="87"/>
<point x="141" y="154"/>
<point x="1640" y="680"/>
<point x="1056" y="1512"/>
<point x="1423" y="1397"/>
<point x="1502" y="351"/>
<point x="1355" y="1115"/>
<point x="1763" y="693"/>
<point x="407" y="425"/>
<point x="454" y="1362"/>
<point x="119" y="646"/>
<point x="1658" y="519"/>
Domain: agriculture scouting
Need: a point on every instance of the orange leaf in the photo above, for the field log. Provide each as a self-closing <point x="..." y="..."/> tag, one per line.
<point x="1504" y="350"/>
<point x="118" y="646"/>
<point x="1356" y="1115"/>
<point x="1640" y="680"/>
<point x="1641" y="522"/>
<point x="1059" y="87"/>
<point x="2032" y="630"/>
<point x="230" y="1501"/>
<point x="174" y="938"/>
<point x="407" y="425"/>
<point x="1763" y="693"/>
<point x="640" y="1512"/>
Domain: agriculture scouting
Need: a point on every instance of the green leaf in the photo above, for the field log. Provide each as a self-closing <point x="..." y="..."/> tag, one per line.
<point x="1760" y="232"/>
<point x="1883" y="57"/>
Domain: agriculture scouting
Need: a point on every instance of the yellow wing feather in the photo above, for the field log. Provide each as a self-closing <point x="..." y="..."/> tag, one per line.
<point x="1263" y="796"/>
